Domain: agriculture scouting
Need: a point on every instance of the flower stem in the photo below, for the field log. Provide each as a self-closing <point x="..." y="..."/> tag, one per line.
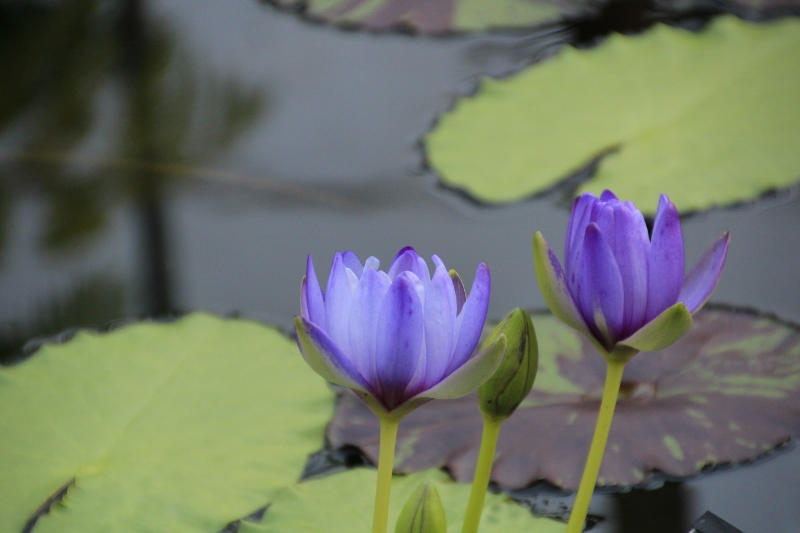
<point x="388" y="438"/>
<point x="592" y="469"/>
<point x="480" y="483"/>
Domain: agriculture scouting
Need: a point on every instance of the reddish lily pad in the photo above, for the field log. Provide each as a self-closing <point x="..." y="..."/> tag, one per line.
<point x="440" y="16"/>
<point x="728" y="392"/>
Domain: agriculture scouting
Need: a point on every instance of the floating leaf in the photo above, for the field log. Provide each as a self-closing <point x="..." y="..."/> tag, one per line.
<point x="177" y="427"/>
<point x="709" y="118"/>
<point x="727" y="392"/>
<point x="440" y="16"/>
<point x="343" y="503"/>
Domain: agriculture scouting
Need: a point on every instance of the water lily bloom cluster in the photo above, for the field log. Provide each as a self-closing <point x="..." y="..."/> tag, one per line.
<point x="397" y="338"/>
<point x="625" y="290"/>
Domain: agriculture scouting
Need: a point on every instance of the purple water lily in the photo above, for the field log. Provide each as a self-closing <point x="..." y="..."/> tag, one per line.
<point x="625" y="290"/>
<point x="397" y="338"/>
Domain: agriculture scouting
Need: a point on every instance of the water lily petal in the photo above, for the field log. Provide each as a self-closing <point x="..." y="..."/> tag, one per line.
<point x="351" y="261"/>
<point x="632" y="250"/>
<point x="337" y="304"/>
<point x="578" y="220"/>
<point x="407" y="259"/>
<point x="703" y="277"/>
<point x="553" y="284"/>
<point x="607" y="196"/>
<point x="665" y="264"/>
<point x="662" y="331"/>
<point x="363" y="322"/>
<point x="469" y="324"/>
<point x="325" y="358"/>
<point x="440" y="325"/>
<point x="312" y="302"/>
<point x="606" y="220"/>
<point x="602" y="296"/>
<point x="399" y="336"/>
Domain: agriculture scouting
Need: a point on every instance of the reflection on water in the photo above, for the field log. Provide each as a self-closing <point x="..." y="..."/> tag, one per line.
<point x="181" y="154"/>
<point x="105" y="106"/>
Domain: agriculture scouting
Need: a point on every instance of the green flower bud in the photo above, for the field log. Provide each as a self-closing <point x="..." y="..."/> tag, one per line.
<point x="423" y="512"/>
<point x="500" y="396"/>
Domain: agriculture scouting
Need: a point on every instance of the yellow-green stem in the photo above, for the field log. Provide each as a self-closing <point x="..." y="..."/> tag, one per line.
<point x="598" y="447"/>
<point x="380" y="518"/>
<point x="483" y="469"/>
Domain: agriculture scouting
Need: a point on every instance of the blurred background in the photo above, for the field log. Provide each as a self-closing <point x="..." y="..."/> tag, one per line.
<point x="165" y="156"/>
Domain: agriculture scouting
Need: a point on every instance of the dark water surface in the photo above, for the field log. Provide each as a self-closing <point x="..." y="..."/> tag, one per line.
<point x="177" y="155"/>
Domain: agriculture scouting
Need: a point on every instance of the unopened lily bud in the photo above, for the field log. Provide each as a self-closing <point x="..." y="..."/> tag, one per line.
<point x="500" y="396"/>
<point x="423" y="512"/>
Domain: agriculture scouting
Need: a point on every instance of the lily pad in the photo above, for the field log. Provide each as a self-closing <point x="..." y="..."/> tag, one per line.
<point x="728" y="392"/>
<point x="710" y="118"/>
<point x="440" y="16"/>
<point x="179" y="427"/>
<point x="343" y="503"/>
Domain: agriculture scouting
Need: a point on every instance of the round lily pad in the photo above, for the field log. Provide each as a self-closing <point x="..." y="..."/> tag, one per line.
<point x="727" y="392"/>
<point x="709" y="118"/>
<point x="343" y="503"/>
<point x="437" y="17"/>
<point x="179" y="427"/>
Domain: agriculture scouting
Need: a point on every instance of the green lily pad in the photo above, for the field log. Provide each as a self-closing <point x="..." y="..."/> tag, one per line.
<point x="441" y="16"/>
<point x="179" y="427"/>
<point x="727" y="392"/>
<point x="343" y="503"/>
<point x="709" y="118"/>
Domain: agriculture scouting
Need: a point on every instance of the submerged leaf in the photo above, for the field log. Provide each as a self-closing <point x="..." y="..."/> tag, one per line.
<point x="177" y="427"/>
<point x="710" y="118"/>
<point x="727" y="392"/>
<point x="343" y="503"/>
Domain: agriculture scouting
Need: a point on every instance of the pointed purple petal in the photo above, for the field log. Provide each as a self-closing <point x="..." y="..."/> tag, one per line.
<point x="410" y="261"/>
<point x="312" y="299"/>
<point x="578" y="220"/>
<point x="440" y="325"/>
<point x="363" y="323"/>
<point x="399" y="336"/>
<point x="554" y="288"/>
<point x="601" y="296"/>
<point x="632" y="250"/>
<point x="337" y="304"/>
<point x="325" y="358"/>
<point x="606" y="221"/>
<point x="352" y="262"/>
<point x="607" y="196"/>
<point x="469" y="324"/>
<point x="417" y="382"/>
<point x="703" y="278"/>
<point x="665" y="264"/>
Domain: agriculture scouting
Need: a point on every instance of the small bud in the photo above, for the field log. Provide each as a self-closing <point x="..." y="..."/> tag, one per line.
<point x="423" y="512"/>
<point x="500" y="396"/>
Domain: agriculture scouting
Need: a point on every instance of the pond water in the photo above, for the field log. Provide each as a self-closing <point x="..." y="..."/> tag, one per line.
<point x="177" y="155"/>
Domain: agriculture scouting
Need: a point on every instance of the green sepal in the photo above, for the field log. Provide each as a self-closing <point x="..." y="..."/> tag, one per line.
<point x="502" y="393"/>
<point x="553" y="285"/>
<point x="423" y="512"/>
<point x="662" y="331"/>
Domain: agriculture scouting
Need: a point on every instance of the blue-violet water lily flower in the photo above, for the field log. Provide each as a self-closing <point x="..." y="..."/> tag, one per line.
<point x="623" y="289"/>
<point x="398" y="338"/>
